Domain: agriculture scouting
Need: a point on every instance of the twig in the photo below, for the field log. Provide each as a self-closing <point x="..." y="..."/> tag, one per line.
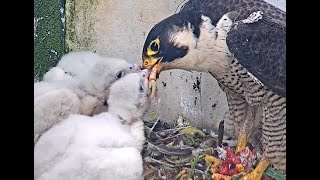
<point x="170" y="151"/>
<point x="176" y="128"/>
<point x="149" y="160"/>
<point x="220" y="133"/>
<point x="177" y="162"/>
<point x="199" y="171"/>
<point x="172" y="136"/>
<point x="155" y="123"/>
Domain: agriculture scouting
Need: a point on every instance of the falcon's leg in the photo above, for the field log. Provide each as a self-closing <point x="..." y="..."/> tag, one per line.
<point x="274" y="136"/>
<point x="274" y="130"/>
<point x="243" y="116"/>
<point x="257" y="173"/>
<point x="242" y="141"/>
<point x="245" y="119"/>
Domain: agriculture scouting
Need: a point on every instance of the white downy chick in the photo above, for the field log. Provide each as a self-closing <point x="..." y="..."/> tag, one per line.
<point x="105" y="146"/>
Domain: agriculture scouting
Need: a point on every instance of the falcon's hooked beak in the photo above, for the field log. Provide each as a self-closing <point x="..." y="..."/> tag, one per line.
<point x="149" y="62"/>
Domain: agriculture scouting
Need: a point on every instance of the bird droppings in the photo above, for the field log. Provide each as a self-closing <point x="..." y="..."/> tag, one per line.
<point x="210" y="115"/>
<point x="62" y="18"/>
<point x="53" y="55"/>
<point x="36" y="22"/>
<point x="54" y="52"/>
<point x="196" y="85"/>
<point x="214" y="105"/>
<point x="61" y="10"/>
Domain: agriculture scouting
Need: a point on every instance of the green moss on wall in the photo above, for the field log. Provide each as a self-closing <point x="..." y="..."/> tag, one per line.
<point x="49" y="35"/>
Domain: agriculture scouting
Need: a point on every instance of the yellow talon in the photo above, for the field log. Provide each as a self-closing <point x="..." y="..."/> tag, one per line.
<point x="257" y="173"/>
<point x="242" y="141"/>
<point x="220" y="177"/>
<point x="210" y="159"/>
<point x="215" y="163"/>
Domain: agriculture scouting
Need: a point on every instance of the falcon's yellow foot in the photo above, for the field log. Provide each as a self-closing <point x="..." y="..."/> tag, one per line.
<point x="216" y="176"/>
<point x="242" y="141"/>
<point x="215" y="163"/>
<point x="257" y="173"/>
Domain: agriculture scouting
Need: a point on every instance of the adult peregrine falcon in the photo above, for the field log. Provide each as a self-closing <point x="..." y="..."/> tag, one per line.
<point x="242" y="44"/>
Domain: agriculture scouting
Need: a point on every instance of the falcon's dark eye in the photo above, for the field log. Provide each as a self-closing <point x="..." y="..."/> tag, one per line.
<point x="154" y="46"/>
<point x="120" y="74"/>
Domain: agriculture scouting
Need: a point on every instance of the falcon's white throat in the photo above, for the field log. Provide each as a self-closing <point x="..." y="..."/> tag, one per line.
<point x="207" y="53"/>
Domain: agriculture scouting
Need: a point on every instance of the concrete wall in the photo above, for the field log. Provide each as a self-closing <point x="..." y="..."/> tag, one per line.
<point x="119" y="28"/>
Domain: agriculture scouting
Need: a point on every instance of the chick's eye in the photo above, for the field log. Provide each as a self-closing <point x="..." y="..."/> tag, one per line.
<point x="144" y="73"/>
<point x="119" y="75"/>
<point x="154" y="46"/>
<point x="134" y="67"/>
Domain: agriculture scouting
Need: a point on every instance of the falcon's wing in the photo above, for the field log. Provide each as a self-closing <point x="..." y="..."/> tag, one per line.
<point x="215" y="9"/>
<point x="261" y="48"/>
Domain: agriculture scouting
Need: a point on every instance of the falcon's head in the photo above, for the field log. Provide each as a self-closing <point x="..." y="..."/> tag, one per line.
<point x="171" y="40"/>
<point x="181" y="41"/>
